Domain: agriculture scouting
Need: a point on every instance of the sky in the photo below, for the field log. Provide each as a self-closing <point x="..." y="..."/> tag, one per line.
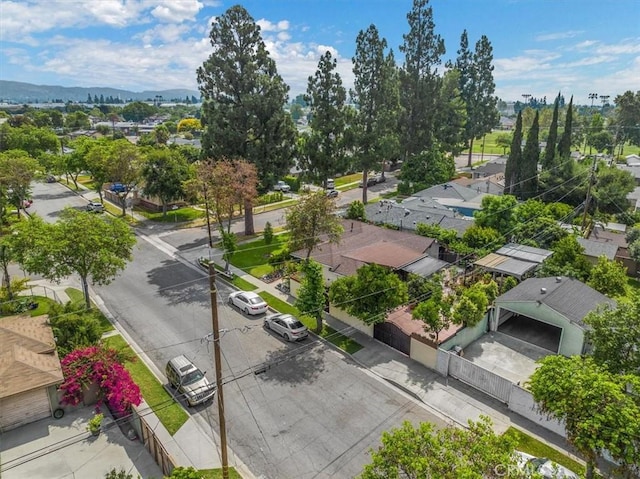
<point x="540" y="47"/>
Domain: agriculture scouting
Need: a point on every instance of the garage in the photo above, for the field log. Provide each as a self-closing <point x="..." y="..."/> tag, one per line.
<point x="30" y="369"/>
<point x="24" y="408"/>
<point x="532" y="331"/>
<point x="548" y="313"/>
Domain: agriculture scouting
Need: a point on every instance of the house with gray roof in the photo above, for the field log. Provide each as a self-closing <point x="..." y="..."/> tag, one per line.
<point x="594" y="249"/>
<point x="461" y="199"/>
<point x="548" y="312"/>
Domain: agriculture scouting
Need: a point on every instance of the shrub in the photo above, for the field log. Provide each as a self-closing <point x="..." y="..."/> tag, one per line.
<point x="355" y="211"/>
<point x="294" y="182"/>
<point x="268" y="233"/>
<point x="278" y="259"/>
<point x="269" y="198"/>
<point x="102" y="366"/>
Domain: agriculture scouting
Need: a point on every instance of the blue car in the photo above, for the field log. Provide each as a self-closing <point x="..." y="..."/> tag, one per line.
<point x="118" y="188"/>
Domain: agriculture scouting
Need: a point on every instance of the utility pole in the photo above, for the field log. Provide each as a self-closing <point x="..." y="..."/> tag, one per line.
<point x="218" y="361"/>
<point x="588" y="197"/>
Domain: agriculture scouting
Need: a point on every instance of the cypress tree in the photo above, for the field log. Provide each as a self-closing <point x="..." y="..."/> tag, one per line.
<point x="564" y="145"/>
<point x="514" y="161"/>
<point x="549" y="158"/>
<point x="528" y="177"/>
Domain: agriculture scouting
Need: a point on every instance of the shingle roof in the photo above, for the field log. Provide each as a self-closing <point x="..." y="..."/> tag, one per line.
<point x="571" y="298"/>
<point x="28" y="358"/>
<point x="369" y="240"/>
<point x="595" y="249"/>
<point x="425" y="266"/>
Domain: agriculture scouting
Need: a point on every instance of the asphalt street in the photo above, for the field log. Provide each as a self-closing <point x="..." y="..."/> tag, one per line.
<point x="313" y="413"/>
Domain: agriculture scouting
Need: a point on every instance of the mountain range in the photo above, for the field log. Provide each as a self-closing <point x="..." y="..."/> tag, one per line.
<point x="19" y="92"/>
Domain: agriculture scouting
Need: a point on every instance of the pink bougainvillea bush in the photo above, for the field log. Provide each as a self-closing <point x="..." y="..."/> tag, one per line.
<point x="102" y="366"/>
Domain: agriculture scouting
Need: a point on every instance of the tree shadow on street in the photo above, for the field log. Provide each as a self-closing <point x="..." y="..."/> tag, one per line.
<point x="178" y="284"/>
<point x="298" y="363"/>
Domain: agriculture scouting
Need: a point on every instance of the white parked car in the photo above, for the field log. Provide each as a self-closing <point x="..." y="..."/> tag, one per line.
<point x="286" y="326"/>
<point x="248" y="302"/>
<point x="282" y="186"/>
<point x="95" y="207"/>
<point x="545" y="468"/>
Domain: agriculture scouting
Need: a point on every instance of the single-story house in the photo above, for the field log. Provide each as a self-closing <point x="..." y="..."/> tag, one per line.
<point x="363" y="243"/>
<point x="413" y="211"/>
<point x="634" y="170"/>
<point x="461" y="199"/>
<point x="491" y="184"/>
<point x="594" y="249"/>
<point x="548" y="312"/>
<point x="618" y="238"/>
<point x="29" y="370"/>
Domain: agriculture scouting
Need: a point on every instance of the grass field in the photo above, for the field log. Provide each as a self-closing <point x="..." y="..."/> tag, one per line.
<point x="253" y="257"/>
<point x="180" y="215"/>
<point x="170" y="413"/>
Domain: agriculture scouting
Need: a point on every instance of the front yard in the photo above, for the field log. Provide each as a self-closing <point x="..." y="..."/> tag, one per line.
<point x="253" y="257"/>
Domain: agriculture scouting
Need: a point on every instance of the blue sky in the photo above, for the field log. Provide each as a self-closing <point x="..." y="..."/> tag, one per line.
<point x="540" y="46"/>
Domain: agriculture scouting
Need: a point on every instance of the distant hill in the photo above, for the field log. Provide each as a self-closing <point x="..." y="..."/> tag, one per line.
<point x="19" y="92"/>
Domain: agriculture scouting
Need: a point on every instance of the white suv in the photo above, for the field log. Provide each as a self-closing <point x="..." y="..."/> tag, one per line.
<point x="282" y="186"/>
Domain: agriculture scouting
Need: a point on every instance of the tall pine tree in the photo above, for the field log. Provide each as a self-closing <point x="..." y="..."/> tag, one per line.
<point x="325" y="145"/>
<point x="529" y="166"/>
<point x="514" y="162"/>
<point x="423" y="50"/>
<point x="376" y="94"/>
<point x="548" y="161"/>
<point x="243" y="101"/>
<point x="564" y="145"/>
<point x="477" y="88"/>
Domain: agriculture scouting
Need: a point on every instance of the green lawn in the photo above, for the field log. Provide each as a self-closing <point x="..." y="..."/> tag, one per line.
<point x="253" y="257"/>
<point x="217" y="473"/>
<point x="43" y="305"/>
<point x="343" y="180"/>
<point x="337" y="339"/>
<point x="76" y="296"/>
<point x="530" y="445"/>
<point x="171" y="414"/>
<point x="275" y="206"/>
<point x="490" y="147"/>
<point x="173" y="216"/>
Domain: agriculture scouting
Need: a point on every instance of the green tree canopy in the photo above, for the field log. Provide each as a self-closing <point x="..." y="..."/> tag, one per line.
<point x="476" y="452"/>
<point x="609" y="277"/>
<point x="369" y="294"/>
<point x="615" y="336"/>
<point x="95" y="247"/>
<point x="310" y="298"/>
<point x="312" y="221"/>
<point x="163" y="173"/>
<point x="243" y="102"/>
<point x="567" y="260"/>
<point x="497" y="213"/>
<point x="598" y="412"/>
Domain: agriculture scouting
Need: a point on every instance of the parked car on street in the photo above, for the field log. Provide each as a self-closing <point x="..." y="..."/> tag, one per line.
<point x="332" y="193"/>
<point x="189" y="381"/>
<point x="282" y="186"/>
<point x="286" y="326"/>
<point x="118" y="188"/>
<point x="51" y="179"/>
<point x="371" y="180"/>
<point x="543" y="467"/>
<point x="248" y="302"/>
<point x="331" y="184"/>
<point x="95" y="207"/>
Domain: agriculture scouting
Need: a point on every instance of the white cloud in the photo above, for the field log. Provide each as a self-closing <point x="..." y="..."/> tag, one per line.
<point x="171" y="11"/>
<point x="626" y="47"/>
<point x="586" y="44"/>
<point x="267" y="26"/>
<point x="545" y="37"/>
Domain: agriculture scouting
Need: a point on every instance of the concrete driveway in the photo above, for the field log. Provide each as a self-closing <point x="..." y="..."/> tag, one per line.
<point x="63" y="448"/>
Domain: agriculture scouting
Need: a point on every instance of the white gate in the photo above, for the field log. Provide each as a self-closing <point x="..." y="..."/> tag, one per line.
<point x="479" y="378"/>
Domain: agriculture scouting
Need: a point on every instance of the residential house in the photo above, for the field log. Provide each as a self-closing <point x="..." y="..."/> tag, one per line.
<point x="463" y="200"/>
<point x="29" y="370"/>
<point x="548" y="312"/>
<point x="363" y="243"/>
<point x="618" y="238"/>
<point x="594" y="249"/>
<point x="491" y="184"/>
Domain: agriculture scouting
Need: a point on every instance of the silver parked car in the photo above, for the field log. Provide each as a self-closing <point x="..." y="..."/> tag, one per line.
<point x="286" y="326"/>
<point x="95" y="207"/>
<point x="248" y="301"/>
<point x="189" y="380"/>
